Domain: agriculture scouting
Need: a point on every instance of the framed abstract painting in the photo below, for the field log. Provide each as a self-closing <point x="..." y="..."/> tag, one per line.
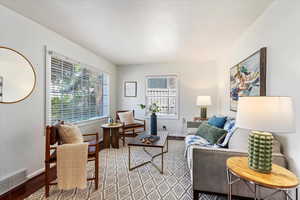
<point x="248" y="78"/>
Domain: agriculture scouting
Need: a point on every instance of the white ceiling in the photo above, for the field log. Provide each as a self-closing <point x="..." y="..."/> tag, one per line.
<point x="146" y="31"/>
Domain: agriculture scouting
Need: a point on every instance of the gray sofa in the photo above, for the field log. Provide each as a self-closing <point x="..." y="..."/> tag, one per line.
<point x="208" y="165"/>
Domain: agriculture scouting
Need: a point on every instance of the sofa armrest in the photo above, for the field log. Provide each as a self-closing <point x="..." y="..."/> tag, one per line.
<point x="209" y="167"/>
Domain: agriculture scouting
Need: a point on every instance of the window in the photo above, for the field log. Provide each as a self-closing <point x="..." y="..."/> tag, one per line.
<point x="163" y="90"/>
<point x="75" y="92"/>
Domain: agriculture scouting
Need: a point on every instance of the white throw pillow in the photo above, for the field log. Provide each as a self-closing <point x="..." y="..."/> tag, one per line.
<point x="126" y="117"/>
<point x="70" y="134"/>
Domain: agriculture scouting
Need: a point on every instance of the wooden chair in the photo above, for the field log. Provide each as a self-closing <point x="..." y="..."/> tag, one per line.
<point x="131" y="129"/>
<point x="53" y="139"/>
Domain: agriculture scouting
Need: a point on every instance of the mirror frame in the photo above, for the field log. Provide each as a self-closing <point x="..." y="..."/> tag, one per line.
<point x="34" y="74"/>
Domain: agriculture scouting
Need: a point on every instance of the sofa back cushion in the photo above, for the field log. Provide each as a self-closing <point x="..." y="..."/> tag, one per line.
<point x="210" y="133"/>
<point x="239" y="141"/>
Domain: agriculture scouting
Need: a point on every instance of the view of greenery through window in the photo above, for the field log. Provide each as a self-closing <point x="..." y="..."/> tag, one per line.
<point x="77" y="93"/>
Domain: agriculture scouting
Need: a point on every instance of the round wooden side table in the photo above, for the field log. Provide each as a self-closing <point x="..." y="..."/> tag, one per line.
<point x="111" y="135"/>
<point x="280" y="179"/>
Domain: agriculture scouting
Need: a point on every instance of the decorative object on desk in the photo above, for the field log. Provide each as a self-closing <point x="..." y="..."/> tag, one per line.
<point x="130" y="89"/>
<point x="248" y="78"/>
<point x="270" y="114"/>
<point x="203" y="102"/>
<point x="148" y="139"/>
<point x="153" y="108"/>
<point x="110" y="120"/>
<point x="17" y="76"/>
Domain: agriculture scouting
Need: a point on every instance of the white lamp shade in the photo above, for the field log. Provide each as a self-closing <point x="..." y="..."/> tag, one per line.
<point x="271" y="114"/>
<point x="203" y="101"/>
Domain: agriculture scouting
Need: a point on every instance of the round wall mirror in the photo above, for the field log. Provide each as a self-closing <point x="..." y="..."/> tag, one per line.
<point x="17" y="76"/>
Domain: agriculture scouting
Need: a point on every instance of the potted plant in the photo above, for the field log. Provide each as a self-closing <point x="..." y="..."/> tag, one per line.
<point x="153" y="108"/>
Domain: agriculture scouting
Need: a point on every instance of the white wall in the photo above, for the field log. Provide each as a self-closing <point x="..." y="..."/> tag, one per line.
<point x="194" y="79"/>
<point x="278" y="29"/>
<point x="22" y="124"/>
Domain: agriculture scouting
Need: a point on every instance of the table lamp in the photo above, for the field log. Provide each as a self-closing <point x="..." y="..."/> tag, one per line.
<point x="203" y="102"/>
<point x="264" y="116"/>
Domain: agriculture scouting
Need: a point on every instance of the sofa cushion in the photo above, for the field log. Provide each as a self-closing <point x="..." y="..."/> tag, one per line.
<point x="217" y="121"/>
<point x="211" y="133"/>
<point x="239" y="141"/>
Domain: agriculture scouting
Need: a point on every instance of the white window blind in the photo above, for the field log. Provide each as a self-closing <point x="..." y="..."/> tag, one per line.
<point x="163" y="90"/>
<point x="75" y="92"/>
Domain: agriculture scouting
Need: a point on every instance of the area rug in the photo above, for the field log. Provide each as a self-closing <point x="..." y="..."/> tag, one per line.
<point x="117" y="183"/>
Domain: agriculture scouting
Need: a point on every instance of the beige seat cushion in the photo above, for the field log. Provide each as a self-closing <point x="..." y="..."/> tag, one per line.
<point x="70" y="134"/>
<point x="126" y="117"/>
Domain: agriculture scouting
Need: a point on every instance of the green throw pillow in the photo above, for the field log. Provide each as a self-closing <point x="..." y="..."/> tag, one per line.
<point x="211" y="133"/>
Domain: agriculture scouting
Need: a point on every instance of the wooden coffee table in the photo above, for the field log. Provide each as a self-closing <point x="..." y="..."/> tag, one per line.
<point x="161" y="144"/>
<point x="280" y="179"/>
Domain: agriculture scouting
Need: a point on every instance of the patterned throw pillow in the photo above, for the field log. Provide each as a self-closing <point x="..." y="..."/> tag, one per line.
<point x="211" y="133"/>
<point x="229" y="124"/>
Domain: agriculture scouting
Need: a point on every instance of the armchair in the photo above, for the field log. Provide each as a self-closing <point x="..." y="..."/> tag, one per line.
<point x="53" y="139"/>
<point x="130" y="130"/>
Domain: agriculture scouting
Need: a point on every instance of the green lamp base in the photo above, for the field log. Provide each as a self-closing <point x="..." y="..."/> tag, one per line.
<point x="260" y="151"/>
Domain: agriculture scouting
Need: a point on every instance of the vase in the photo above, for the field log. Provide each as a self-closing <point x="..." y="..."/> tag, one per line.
<point x="153" y="124"/>
<point x="260" y="151"/>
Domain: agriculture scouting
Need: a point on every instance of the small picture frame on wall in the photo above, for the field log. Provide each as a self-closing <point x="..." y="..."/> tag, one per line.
<point x="130" y="89"/>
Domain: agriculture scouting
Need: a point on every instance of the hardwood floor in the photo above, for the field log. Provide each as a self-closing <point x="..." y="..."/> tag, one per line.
<point x="37" y="182"/>
<point x="28" y="187"/>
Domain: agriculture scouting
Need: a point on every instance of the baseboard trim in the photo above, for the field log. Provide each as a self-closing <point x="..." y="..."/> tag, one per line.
<point x="28" y="187"/>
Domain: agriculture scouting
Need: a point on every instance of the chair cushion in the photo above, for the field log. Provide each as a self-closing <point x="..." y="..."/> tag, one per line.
<point x="217" y="121"/>
<point x="70" y="134"/>
<point x="134" y="125"/>
<point x="210" y="133"/>
<point x="126" y="117"/>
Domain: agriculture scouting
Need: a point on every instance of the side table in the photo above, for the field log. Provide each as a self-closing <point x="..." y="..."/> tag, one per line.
<point x="199" y="119"/>
<point x="280" y="179"/>
<point x="111" y="135"/>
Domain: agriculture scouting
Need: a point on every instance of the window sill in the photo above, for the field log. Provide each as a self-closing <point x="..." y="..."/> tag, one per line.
<point x="170" y="117"/>
<point x="90" y="121"/>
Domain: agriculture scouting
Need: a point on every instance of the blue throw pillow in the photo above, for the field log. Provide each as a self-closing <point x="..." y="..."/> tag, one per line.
<point x="217" y="121"/>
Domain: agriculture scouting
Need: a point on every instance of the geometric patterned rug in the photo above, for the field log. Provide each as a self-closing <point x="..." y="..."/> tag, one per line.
<point x="117" y="183"/>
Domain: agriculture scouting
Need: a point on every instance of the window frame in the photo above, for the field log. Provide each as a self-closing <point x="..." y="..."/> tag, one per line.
<point x="159" y="116"/>
<point x="48" y="106"/>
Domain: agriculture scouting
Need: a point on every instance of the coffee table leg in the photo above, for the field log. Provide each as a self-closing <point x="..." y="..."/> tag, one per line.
<point x="296" y="193"/>
<point x="129" y="158"/>
<point x="162" y="160"/>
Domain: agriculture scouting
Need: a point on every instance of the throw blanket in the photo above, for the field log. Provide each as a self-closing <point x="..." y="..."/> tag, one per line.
<point x="191" y="140"/>
<point x="71" y="166"/>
